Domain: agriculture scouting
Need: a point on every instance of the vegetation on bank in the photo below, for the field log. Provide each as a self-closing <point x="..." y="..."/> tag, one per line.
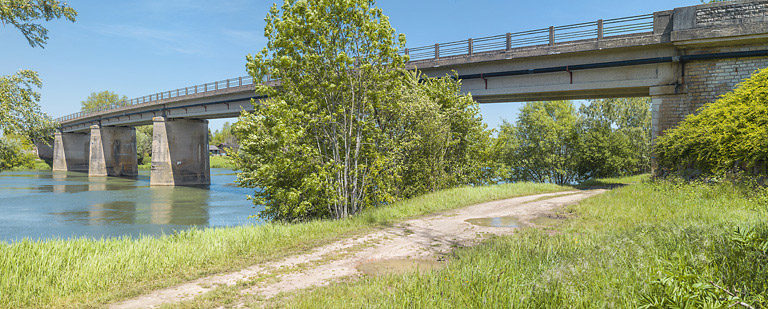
<point x="86" y="272"/>
<point x="729" y="135"/>
<point x="649" y="245"/>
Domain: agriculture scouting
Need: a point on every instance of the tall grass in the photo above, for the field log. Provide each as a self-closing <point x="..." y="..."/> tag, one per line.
<point x="645" y="245"/>
<point x="86" y="272"/>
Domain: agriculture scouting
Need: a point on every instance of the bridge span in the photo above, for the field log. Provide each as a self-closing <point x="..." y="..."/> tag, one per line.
<point x="681" y="58"/>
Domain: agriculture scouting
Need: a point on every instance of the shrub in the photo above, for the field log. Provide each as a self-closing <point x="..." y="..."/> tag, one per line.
<point x="728" y="135"/>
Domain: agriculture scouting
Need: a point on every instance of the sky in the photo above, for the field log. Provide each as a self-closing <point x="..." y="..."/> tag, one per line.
<point x="140" y="47"/>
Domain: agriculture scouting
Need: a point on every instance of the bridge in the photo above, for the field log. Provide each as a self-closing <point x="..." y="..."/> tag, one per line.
<point x="681" y="58"/>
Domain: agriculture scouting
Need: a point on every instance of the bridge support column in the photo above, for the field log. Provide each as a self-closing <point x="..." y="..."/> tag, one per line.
<point x="70" y="152"/>
<point x="113" y="152"/>
<point x="180" y="152"/>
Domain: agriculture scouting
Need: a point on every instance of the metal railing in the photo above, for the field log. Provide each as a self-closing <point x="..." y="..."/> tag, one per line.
<point x="176" y="93"/>
<point x="546" y="36"/>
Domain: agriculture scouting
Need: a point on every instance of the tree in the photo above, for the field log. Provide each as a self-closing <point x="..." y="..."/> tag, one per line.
<point x="144" y="143"/>
<point x="103" y="100"/>
<point x="319" y="153"/>
<point x="547" y="141"/>
<point x="19" y="111"/>
<point x="22" y="14"/>
<point x="349" y="128"/>
<point x="615" y="137"/>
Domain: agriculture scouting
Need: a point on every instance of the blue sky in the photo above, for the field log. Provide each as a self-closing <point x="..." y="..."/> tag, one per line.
<point x="146" y="46"/>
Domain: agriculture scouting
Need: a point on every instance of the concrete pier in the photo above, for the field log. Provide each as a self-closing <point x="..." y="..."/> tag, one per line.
<point x="113" y="152"/>
<point x="71" y="152"/>
<point x="180" y="152"/>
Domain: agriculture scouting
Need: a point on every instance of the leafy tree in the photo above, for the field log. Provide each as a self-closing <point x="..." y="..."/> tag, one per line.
<point x="144" y="143"/>
<point x="103" y="100"/>
<point x="728" y="135"/>
<point x="547" y="143"/>
<point x="224" y="136"/>
<point x="615" y="137"/>
<point x="439" y="138"/>
<point x="349" y="127"/>
<point x="19" y="111"/>
<point x="22" y="14"/>
<point x="317" y="149"/>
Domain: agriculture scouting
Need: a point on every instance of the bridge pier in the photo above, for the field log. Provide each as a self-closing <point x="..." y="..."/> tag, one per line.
<point x="113" y="152"/>
<point x="180" y="152"/>
<point x="70" y="152"/>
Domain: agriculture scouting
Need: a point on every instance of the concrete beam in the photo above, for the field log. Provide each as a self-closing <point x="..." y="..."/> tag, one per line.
<point x="113" y="152"/>
<point x="180" y="152"/>
<point x="71" y="152"/>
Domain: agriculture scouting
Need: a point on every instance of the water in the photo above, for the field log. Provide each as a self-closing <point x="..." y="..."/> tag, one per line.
<point x="45" y="204"/>
<point x="496" y="222"/>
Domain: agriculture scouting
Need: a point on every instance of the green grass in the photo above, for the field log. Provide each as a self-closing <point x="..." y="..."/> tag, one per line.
<point x="652" y="244"/>
<point x="613" y="181"/>
<point x="216" y="162"/>
<point x="85" y="272"/>
<point x="221" y="162"/>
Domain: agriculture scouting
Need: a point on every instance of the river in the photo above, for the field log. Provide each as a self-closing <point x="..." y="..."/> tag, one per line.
<point x="45" y="205"/>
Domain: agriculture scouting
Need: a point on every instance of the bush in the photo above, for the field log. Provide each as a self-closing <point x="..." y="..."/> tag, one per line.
<point x="728" y="135"/>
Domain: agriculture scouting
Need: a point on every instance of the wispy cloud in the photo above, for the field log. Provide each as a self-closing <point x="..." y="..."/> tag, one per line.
<point x="167" y="41"/>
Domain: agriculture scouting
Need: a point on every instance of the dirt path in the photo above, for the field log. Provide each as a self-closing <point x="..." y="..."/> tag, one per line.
<point x="427" y="238"/>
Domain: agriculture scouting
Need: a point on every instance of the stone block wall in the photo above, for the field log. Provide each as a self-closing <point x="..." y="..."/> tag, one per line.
<point x="704" y="82"/>
<point x="731" y="13"/>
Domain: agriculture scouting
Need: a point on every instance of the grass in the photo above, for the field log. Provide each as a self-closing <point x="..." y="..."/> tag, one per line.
<point x="649" y="245"/>
<point x="87" y="272"/>
<point x="216" y="162"/>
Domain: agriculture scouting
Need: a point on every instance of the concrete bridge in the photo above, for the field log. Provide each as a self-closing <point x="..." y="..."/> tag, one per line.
<point x="681" y="58"/>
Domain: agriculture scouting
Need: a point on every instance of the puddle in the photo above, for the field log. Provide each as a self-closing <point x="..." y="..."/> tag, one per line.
<point x="496" y="222"/>
<point x="398" y="266"/>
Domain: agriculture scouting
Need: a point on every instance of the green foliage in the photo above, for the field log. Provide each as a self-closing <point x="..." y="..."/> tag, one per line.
<point x="615" y="137"/>
<point x="544" y="143"/>
<point x="103" y="100"/>
<point x="22" y="14"/>
<point x="728" y="135"/>
<point x="224" y="136"/>
<point x="19" y="111"/>
<point x="15" y="153"/>
<point x="144" y="144"/>
<point x="552" y="142"/>
<point x="349" y="128"/>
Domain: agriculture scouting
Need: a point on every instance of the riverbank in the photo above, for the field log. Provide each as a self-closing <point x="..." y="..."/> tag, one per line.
<point x="653" y="244"/>
<point x="215" y="161"/>
<point x="85" y="272"/>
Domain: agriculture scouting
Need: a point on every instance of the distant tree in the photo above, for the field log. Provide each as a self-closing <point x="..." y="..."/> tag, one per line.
<point x="144" y="143"/>
<point x="225" y="136"/>
<point x="547" y="143"/>
<point x="22" y="14"/>
<point x="615" y="137"/>
<point x="103" y="100"/>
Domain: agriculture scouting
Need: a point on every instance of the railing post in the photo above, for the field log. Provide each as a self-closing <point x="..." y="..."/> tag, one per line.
<point x="195" y="88"/>
<point x="469" y="46"/>
<point x="437" y="50"/>
<point x="186" y="91"/>
<point x="551" y="35"/>
<point x="169" y="94"/>
<point x="599" y="29"/>
<point x="406" y="52"/>
<point x="240" y="81"/>
<point x="509" y="41"/>
<point x="205" y="87"/>
<point x="216" y="86"/>
<point x="227" y="83"/>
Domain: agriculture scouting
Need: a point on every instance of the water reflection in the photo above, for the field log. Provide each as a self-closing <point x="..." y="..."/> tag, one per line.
<point x="65" y="204"/>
